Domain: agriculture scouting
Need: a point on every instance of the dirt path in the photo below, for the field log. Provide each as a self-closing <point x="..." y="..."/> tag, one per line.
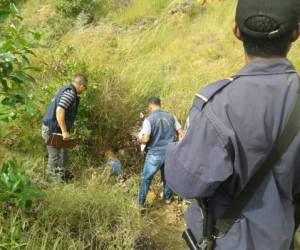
<point x="166" y="224"/>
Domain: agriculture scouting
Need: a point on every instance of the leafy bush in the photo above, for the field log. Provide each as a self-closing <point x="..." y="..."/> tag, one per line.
<point x="15" y="187"/>
<point x="72" y="8"/>
<point x="16" y="47"/>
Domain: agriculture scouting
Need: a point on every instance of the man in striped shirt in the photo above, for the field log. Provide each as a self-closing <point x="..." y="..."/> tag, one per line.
<point x="60" y="118"/>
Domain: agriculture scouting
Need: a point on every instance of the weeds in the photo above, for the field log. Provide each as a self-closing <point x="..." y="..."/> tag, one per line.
<point x="94" y="214"/>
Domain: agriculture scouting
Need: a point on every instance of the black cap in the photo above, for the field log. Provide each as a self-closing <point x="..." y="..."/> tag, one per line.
<point x="284" y="12"/>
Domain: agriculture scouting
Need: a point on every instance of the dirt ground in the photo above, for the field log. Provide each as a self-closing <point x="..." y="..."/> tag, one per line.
<point x="166" y="223"/>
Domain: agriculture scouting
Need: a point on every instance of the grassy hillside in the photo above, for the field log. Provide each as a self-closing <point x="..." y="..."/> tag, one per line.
<point x="130" y="50"/>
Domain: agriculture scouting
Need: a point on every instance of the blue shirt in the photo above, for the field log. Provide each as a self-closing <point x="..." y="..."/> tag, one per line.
<point x="224" y="144"/>
<point x="116" y="166"/>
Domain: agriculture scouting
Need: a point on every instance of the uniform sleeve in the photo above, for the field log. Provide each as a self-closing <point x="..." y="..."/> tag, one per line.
<point x="177" y="124"/>
<point x="67" y="98"/>
<point x="146" y="130"/>
<point x="197" y="165"/>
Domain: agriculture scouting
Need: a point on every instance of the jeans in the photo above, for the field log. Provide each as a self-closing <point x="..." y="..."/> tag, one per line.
<point x="58" y="158"/>
<point x="152" y="164"/>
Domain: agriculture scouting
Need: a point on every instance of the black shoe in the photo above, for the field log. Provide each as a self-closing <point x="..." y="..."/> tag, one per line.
<point x="67" y="176"/>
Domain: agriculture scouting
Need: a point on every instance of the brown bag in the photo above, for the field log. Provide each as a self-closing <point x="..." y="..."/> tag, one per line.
<point x="57" y="141"/>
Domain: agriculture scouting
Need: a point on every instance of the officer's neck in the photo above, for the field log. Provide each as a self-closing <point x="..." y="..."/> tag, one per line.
<point x="155" y="109"/>
<point x="250" y="59"/>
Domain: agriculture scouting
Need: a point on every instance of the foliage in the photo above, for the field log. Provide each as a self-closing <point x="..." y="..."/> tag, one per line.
<point x="7" y="7"/>
<point x="139" y="10"/>
<point x="16" y="46"/>
<point x="12" y="235"/>
<point x="72" y="8"/>
<point x="15" y="187"/>
<point x="92" y="214"/>
<point x="16" y="192"/>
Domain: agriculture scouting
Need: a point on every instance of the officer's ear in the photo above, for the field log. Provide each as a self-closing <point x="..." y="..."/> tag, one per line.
<point x="237" y="32"/>
<point x="296" y="34"/>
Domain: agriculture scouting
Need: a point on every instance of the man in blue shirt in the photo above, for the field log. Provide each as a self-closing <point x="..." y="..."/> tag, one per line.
<point x="159" y="130"/>
<point x="59" y="118"/>
<point x="232" y="130"/>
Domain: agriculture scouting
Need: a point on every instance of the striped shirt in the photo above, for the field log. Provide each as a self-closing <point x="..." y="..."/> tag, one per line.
<point x="67" y="99"/>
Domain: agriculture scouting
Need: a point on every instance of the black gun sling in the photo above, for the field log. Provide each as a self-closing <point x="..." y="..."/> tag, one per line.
<point x="233" y="213"/>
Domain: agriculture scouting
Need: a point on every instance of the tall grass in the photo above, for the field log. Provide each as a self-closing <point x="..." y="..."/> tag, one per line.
<point x="141" y="9"/>
<point x="93" y="214"/>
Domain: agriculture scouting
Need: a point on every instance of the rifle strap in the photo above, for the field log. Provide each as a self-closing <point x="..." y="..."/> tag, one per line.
<point x="234" y="211"/>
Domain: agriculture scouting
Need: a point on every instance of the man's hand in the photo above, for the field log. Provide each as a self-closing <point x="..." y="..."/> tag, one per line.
<point x="180" y="134"/>
<point x="66" y="135"/>
<point x="145" y="139"/>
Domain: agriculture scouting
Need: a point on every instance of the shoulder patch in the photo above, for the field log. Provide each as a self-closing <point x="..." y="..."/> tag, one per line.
<point x="207" y="93"/>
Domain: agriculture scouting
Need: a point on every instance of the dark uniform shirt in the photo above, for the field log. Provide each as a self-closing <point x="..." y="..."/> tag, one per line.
<point x="224" y="144"/>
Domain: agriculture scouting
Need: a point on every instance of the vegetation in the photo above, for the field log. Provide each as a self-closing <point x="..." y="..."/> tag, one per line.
<point x="130" y="50"/>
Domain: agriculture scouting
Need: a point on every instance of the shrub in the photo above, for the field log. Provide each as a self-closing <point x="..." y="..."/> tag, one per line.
<point x="15" y="187"/>
<point x="72" y="8"/>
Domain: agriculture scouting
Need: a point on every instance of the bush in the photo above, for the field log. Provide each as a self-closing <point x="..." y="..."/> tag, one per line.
<point x="16" y="188"/>
<point x="72" y="8"/>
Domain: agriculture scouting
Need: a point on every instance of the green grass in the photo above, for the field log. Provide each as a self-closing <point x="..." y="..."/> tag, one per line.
<point x="171" y="56"/>
<point x="141" y="9"/>
<point x="94" y="214"/>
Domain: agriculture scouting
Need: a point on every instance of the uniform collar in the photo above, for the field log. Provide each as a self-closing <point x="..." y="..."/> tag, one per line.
<point x="155" y="111"/>
<point x="268" y="67"/>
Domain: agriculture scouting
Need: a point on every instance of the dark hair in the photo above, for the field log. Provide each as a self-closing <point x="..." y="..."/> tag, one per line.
<point x="154" y="100"/>
<point x="112" y="148"/>
<point x="265" y="47"/>
<point x="82" y="79"/>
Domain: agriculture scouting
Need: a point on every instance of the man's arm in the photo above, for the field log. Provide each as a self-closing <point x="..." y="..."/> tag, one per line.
<point x="180" y="134"/>
<point x="145" y="139"/>
<point x="60" y="117"/>
<point x="67" y="98"/>
<point x="197" y="165"/>
<point x="145" y="132"/>
<point x="179" y="130"/>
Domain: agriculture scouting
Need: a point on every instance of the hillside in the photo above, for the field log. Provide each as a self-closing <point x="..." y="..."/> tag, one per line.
<point x="130" y="50"/>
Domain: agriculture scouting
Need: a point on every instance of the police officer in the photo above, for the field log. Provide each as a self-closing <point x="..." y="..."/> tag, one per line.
<point x="159" y="130"/>
<point x="233" y="125"/>
<point x="59" y="118"/>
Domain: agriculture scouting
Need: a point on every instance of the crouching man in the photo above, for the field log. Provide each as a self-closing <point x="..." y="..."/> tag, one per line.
<point x="59" y="118"/>
<point x="159" y="130"/>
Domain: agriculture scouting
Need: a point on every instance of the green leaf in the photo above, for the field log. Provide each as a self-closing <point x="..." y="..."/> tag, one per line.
<point x="14" y="9"/>
<point x="38" y="46"/>
<point x="7" y="57"/>
<point x="23" y="76"/>
<point x="35" y="69"/>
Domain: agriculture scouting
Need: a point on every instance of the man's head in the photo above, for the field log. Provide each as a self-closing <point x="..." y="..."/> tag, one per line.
<point x="80" y="83"/>
<point x="154" y="103"/>
<point x="110" y="152"/>
<point x="267" y="27"/>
